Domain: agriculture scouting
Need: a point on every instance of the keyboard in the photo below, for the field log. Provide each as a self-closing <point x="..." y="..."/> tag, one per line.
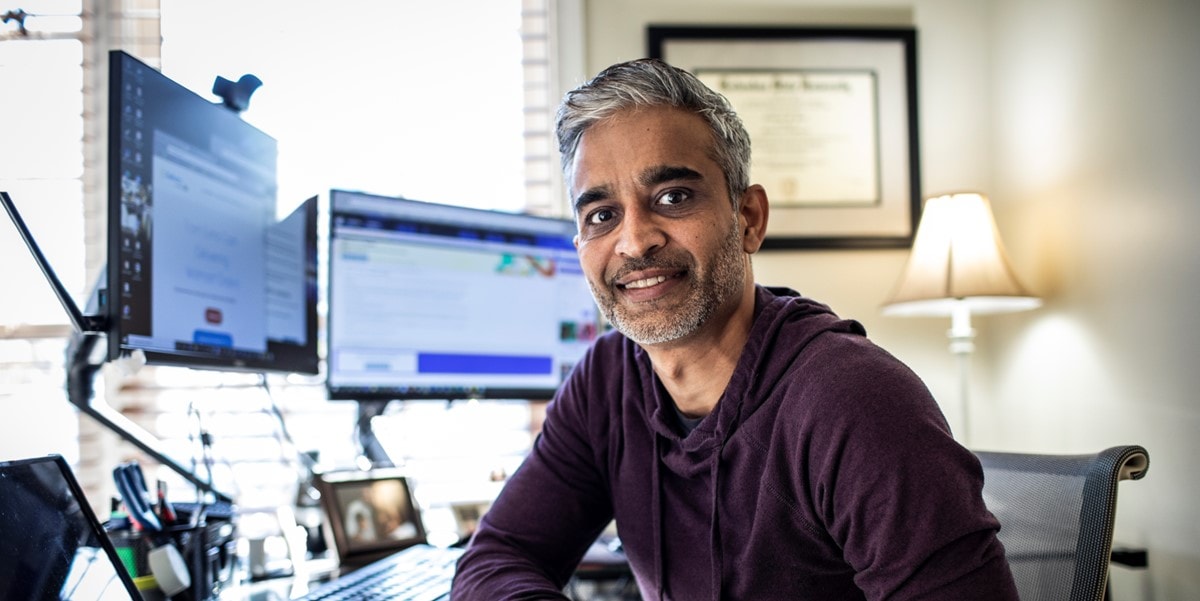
<point x="418" y="573"/>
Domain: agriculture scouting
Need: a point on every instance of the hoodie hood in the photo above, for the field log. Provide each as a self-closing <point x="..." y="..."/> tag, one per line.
<point x="779" y="314"/>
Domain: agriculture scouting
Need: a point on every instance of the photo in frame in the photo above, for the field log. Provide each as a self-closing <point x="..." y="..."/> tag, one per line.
<point x="832" y="118"/>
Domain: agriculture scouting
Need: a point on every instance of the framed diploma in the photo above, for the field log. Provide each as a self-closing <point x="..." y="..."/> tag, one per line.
<point x="832" y="118"/>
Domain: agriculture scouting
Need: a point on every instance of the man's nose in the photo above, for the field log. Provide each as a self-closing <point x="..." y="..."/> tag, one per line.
<point x="640" y="235"/>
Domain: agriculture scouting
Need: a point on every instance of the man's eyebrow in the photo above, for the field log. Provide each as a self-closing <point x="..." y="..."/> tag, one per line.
<point x="589" y="196"/>
<point x="666" y="173"/>
<point x="652" y="176"/>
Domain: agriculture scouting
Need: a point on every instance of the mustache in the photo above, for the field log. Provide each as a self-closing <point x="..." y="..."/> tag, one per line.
<point x="644" y="263"/>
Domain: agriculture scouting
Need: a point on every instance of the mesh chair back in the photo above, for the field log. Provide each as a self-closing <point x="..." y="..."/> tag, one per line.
<point x="1056" y="516"/>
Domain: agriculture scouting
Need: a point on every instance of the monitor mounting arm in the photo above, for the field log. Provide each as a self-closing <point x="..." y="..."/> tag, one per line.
<point x="81" y="371"/>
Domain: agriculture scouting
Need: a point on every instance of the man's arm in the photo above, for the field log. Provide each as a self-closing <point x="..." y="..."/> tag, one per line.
<point x="899" y="494"/>
<point x="550" y="511"/>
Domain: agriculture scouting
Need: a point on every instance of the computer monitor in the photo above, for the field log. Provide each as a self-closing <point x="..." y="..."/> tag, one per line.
<point x="432" y="301"/>
<point x="201" y="273"/>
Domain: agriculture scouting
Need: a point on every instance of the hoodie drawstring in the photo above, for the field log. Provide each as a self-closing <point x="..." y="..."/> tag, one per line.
<point x="718" y="557"/>
<point x="715" y="525"/>
<point x="656" y="518"/>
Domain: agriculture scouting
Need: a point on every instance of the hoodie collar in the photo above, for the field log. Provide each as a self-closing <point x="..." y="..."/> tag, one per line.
<point x="758" y="368"/>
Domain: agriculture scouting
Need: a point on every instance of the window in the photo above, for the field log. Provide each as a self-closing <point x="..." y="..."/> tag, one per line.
<point x="430" y="101"/>
<point x="41" y="166"/>
<point x="441" y="101"/>
<point x="415" y="99"/>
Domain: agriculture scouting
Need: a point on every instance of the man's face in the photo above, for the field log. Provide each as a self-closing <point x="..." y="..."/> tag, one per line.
<point x="659" y="240"/>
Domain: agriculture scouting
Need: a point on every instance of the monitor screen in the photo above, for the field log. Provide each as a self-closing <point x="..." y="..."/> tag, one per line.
<point x="201" y="273"/>
<point x="443" y="302"/>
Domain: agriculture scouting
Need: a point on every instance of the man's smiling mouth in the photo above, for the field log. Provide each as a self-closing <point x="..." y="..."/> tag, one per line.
<point x="646" y="282"/>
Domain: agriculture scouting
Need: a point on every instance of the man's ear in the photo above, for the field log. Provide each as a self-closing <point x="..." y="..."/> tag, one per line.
<point x="575" y="239"/>
<point x="753" y="211"/>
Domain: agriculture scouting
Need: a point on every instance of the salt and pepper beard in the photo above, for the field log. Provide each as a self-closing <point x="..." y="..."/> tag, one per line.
<point x="707" y="291"/>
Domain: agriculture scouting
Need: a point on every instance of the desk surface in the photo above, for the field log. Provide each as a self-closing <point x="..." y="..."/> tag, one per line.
<point x="603" y="561"/>
<point x="307" y="574"/>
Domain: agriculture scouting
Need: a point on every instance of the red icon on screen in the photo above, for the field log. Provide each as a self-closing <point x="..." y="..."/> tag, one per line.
<point x="213" y="316"/>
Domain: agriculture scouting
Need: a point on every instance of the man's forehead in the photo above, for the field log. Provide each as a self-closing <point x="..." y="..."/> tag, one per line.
<point x="636" y="144"/>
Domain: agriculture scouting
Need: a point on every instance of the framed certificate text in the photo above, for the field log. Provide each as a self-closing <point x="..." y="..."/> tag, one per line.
<point x="832" y="120"/>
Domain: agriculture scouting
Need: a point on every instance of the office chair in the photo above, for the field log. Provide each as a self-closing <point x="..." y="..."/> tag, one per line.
<point x="1056" y="516"/>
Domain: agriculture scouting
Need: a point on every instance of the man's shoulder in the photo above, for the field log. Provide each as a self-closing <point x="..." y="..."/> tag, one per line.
<point x="839" y="376"/>
<point x="783" y="312"/>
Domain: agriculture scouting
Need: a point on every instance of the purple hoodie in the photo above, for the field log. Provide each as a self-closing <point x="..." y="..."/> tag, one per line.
<point x="825" y="472"/>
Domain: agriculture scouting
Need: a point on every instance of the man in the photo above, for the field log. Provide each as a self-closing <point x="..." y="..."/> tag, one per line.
<point x="749" y="443"/>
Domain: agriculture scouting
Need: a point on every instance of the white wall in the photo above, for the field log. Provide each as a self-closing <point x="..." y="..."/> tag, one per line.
<point x="1097" y="142"/>
<point x="1079" y="119"/>
<point x="855" y="283"/>
<point x="952" y="79"/>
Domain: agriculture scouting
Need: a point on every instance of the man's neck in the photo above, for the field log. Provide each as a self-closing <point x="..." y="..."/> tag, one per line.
<point x="696" y="370"/>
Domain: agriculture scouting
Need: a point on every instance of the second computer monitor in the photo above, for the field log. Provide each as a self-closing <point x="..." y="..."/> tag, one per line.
<point x="432" y="301"/>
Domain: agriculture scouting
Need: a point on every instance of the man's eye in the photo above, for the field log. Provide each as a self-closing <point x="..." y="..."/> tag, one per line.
<point x="599" y="217"/>
<point x="672" y="197"/>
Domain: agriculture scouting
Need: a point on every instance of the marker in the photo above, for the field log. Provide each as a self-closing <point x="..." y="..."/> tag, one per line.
<point x="165" y="511"/>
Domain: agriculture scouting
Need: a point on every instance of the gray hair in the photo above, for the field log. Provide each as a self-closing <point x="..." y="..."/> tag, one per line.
<point x="648" y="83"/>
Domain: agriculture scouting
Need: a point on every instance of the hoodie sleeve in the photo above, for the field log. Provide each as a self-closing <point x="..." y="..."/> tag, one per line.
<point x="900" y="496"/>
<point x="553" y="507"/>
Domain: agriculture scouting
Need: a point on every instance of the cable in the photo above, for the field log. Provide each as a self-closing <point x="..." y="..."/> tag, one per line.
<point x="306" y="465"/>
<point x="306" y="462"/>
<point x="196" y="439"/>
<point x="200" y="435"/>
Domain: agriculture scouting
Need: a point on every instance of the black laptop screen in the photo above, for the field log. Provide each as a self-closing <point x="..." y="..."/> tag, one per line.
<point x="51" y="545"/>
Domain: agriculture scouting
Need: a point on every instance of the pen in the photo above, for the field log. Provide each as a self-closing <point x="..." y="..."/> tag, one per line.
<point x="165" y="511"/>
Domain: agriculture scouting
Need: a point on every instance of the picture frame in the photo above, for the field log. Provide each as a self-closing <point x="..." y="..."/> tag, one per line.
<point x="832" y="118"/>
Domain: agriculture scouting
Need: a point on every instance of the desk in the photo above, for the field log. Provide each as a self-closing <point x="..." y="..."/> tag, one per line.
<point x="603" y="574"/>
<point x="307" y="574"/>
<point x="603" y="561"/>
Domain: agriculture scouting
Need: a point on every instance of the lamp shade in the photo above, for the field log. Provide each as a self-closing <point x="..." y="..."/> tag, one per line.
<point x="958" y="257"/>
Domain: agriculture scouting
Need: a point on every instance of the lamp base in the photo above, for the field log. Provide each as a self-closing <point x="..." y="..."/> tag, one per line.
<point x="962" y="344"/>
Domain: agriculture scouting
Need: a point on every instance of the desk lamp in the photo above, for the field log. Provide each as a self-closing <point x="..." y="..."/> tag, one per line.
<point x="958" y="266"/>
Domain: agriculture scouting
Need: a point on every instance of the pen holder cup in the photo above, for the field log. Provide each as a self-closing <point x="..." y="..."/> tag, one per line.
<point x="208" y="550"/>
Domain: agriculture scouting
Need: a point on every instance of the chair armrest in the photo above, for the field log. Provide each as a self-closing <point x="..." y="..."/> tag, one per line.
<point x="1131" y="557"/>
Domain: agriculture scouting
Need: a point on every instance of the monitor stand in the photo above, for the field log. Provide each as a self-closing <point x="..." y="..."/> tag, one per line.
<point x="369" y="444"/>
<point x="81" y="371"/>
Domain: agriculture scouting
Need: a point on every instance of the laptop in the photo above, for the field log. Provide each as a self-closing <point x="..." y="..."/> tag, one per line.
<point x="51" y="544"/>
<point x="375" y="528"/>
<point x="369" y="514"/>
